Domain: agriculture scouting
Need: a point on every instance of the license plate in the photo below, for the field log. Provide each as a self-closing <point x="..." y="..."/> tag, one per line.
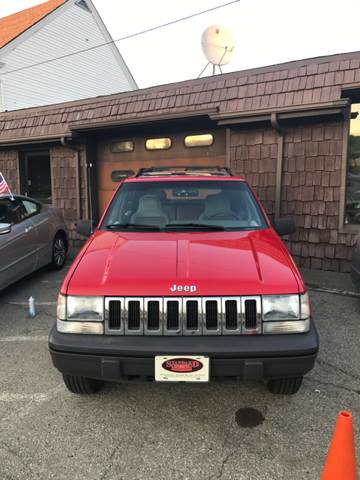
<point x="181" y="368"/>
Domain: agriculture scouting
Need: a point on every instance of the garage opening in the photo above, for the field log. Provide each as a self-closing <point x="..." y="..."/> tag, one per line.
<point x="120" y="154"/>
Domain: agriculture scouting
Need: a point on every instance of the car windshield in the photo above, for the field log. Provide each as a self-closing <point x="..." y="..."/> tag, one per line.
<point x="184" y="205"/>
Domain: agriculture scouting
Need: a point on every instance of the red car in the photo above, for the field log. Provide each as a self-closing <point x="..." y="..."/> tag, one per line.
<point x="184" y="279"/>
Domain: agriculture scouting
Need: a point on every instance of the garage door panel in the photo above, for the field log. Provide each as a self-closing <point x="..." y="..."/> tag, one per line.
<point x="106" y="168"/>
<point x="177" y="155"/>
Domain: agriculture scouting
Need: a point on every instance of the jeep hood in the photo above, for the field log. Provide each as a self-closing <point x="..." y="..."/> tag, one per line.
<point x="150" y="263"/>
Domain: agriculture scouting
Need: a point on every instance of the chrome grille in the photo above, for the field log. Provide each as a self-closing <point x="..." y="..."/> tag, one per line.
<point x="183" y="316"/>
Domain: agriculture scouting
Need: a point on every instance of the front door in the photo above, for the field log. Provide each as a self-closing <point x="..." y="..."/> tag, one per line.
<point x="36" y="176"/>
<point x="18" y="248"/>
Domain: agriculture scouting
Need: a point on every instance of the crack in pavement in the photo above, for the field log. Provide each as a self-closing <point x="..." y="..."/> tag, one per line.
<point x="222" y="466"/>
<point x="330" y="384"/>
<point x="111" y="464"/>
<point x="325" y="363"/>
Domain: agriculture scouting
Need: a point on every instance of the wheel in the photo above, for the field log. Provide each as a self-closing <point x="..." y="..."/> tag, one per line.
<point x="59" y="251"/>
<point x="285" y="386"/>
<point x="81" y="385"/>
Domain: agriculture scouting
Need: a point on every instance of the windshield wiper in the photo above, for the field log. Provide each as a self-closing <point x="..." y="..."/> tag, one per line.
<point x="137" y="226"/>
<point x="200" y="226"/>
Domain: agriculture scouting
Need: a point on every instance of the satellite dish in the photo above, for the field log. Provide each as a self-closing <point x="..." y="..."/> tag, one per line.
<point x="218" y="45"/>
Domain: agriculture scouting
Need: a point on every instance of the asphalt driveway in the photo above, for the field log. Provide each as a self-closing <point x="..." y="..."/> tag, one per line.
<point x="175" y="432"/>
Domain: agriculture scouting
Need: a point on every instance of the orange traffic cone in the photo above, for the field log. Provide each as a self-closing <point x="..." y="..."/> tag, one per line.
<point x="341" y="459"/>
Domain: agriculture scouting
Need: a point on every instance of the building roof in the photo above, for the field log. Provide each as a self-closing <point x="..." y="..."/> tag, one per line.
<point x="299" y="85"/>
<point x="14" y="25"/>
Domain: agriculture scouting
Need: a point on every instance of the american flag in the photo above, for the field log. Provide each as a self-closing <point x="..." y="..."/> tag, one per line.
<point x="4" y="187"/>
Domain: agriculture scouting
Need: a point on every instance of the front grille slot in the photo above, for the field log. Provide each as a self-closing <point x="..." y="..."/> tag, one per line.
<point x="211" y="315"/>
<point x="250" y="314"/>
<point x="134" y="315"/>
<point x="192" y="315"/>
<point x="115" y="315"/>
<point x="172" y="316"/>
<point x="153" y="315"/>
<point x="231" y="315"/>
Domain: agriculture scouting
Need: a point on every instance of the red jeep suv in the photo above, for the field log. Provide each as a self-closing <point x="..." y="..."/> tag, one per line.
<point x="184" y="279"/>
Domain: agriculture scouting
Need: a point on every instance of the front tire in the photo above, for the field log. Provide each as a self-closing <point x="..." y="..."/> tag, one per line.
<point x="285" y="386"/>
<point x="59" y="250"/>
<point x="81" y="385"/>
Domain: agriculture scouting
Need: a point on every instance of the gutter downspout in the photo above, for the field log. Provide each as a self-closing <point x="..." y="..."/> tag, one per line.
<point x="64" y="143"/>
<point x="279" y="163"/>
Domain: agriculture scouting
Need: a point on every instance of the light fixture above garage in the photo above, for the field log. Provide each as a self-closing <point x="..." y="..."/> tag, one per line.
<point x="203" y="140"/>
<point x="122" y="146"/>
<point x="158" y="143"/>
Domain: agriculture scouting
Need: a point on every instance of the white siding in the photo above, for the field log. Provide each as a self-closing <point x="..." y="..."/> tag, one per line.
<point x="89" y="74"/>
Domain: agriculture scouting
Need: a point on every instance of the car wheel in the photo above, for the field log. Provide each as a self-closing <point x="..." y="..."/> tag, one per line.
<point x="59" y="249"/>
<point x="285" y="386"/>
<point x="81" y="385"/>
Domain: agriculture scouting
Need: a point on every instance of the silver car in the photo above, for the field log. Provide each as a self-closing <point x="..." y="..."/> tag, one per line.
<point x="31" y="235"/>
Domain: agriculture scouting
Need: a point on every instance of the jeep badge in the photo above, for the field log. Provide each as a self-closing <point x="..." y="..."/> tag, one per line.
<point x="183" y="288"/>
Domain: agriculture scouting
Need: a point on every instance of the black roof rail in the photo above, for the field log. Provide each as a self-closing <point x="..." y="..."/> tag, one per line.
<point x="185" y="170"/>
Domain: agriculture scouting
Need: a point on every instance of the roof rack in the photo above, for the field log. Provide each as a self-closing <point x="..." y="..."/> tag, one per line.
<point x="185" y="170"/>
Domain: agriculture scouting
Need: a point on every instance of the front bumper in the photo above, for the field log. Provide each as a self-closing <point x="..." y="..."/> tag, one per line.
<point x="232" y="358"/>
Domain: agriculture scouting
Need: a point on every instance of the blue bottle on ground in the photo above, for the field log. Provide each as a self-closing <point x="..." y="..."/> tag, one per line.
<point x="32" y="311"/>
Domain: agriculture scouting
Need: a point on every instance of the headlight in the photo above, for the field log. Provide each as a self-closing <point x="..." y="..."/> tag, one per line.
<point x="85" y="308"/>
<point x="80" y="314"/>
<point x="286" y="314"/>
<point x="281" y="307"/>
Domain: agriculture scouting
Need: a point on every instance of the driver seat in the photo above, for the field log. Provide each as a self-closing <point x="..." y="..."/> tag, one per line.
<point x="150" y="212"/>
<point x="217" y="206"/>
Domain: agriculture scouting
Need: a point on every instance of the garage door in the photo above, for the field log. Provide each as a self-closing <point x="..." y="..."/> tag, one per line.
<point x="180" y="149"/>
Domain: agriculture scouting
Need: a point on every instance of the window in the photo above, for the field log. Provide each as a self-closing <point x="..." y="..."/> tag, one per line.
<point x="203" y="140"/>
<point x="352" y="201"/>
<point x="184" y="205"/>
<point x="122" y="146"/>
<point x="158" y="143"/>
<point x="31" y="208"/>
<point x="35" y="176"/>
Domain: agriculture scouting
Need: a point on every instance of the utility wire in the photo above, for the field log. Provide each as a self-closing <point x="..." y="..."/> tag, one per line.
<point x="132" y="35"/>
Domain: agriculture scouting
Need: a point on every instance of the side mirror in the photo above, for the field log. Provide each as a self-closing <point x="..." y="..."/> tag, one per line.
<point x="284" y="226"/>
<point x="5" y="228"/>
<point x="85" y="227"/>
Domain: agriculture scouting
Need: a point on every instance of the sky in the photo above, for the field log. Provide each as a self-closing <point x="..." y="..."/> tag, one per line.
<point x="265" y="32"/>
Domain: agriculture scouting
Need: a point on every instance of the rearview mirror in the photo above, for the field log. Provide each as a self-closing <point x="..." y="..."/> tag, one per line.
<point x="284" y="226"/>
<point x="85" y="227"/>
<point x="5" y="228"/>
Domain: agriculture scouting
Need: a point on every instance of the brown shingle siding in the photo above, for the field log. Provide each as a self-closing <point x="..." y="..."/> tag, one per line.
<point x="312" y="196"/>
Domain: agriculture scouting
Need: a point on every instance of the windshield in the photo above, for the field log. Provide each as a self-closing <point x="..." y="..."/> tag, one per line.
<point x="184" y="205"/>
